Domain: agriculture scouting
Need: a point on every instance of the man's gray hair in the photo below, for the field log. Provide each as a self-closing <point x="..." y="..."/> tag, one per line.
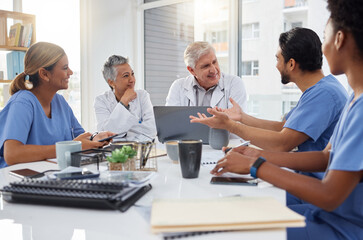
<point x="196" y="50"/>
<point x="109" y="70"/>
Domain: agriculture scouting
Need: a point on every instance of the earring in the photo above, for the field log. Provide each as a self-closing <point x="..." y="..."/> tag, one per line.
<point x="28" y="84"/>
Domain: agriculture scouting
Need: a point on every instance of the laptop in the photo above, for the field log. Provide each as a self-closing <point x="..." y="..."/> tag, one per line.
<point x="173" y="123"/>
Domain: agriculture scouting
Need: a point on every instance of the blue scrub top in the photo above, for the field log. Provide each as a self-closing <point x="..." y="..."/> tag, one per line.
<point x="317" y="113"/>
<point x="23" y="119"/>
<point x="346" y="221"/>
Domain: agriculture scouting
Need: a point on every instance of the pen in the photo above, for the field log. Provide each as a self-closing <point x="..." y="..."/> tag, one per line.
<point x="148" y="153"/>
<point x="245" y="143"/>
<point x="72" y="132"/>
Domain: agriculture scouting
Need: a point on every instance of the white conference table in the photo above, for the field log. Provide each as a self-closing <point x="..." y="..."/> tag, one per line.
<point x="38" y="222"/>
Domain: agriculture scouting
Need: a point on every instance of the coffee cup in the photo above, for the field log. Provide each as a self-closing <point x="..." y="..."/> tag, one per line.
<point x="190" y="154"/>
<point x="218" y="138"/>
<point x="172" y="149"/>
<point x="64" y="150"/>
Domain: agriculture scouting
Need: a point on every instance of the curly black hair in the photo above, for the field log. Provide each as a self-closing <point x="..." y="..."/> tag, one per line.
<point x="348" y="15"/>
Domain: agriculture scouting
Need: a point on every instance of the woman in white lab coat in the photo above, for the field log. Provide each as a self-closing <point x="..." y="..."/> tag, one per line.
<point x="123" y="109"/>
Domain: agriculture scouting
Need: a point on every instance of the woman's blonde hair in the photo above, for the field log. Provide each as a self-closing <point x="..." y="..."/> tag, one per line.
<point x="39" y="55"/>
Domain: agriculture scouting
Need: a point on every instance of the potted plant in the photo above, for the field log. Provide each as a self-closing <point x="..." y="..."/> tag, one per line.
<point x="122" y="159"/>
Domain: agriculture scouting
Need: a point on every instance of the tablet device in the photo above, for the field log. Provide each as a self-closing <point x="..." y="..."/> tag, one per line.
<point x="77" y="175"/>
<point x="234" y="181"/>
<point x="173" y="123"/>
<point x="110" y="137"/>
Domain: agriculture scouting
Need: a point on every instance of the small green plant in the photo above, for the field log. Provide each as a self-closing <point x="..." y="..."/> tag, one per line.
<point x="121" y="155"/>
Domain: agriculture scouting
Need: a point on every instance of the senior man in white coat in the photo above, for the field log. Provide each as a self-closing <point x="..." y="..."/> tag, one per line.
<point x="206" y="86"/>
<point x="123" y="109"/>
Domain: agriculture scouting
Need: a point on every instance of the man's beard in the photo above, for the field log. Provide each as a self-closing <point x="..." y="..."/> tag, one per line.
<point x="285" y="79"/>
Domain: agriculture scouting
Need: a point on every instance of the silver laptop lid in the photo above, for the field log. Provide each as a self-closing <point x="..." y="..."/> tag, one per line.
<point x="173" y="123"/>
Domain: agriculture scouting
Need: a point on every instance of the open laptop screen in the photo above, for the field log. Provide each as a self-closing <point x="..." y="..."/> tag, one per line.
<point x="173" y="123"/>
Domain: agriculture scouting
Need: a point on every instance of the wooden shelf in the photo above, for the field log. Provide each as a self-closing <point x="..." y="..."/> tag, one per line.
<point x="6" y="81"/>
<point x="8" y="48"/>
<point x="8" y="18"/>
<point x="23" y="18"/>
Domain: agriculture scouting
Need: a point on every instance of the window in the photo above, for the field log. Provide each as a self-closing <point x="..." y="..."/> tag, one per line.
<point x="216" y="36"/>
<point x="250" y="68"/>
<point x="296" y="24"/>
<point x="262" y="22"/>
<point x="50" y="28"/>
<point x="250" y="31"/>
<point x="169" y="28"/>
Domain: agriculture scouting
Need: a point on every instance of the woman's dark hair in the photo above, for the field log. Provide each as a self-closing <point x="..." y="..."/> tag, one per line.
<point x="304" y="46"/>
<point x="348" y="15"/>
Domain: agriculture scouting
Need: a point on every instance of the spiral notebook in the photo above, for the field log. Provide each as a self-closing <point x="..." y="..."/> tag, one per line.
<point x="75" y="193"/>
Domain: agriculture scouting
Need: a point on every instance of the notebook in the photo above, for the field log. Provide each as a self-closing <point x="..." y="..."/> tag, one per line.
<point x="173" y="123"/>
<point x="234" y="213"/>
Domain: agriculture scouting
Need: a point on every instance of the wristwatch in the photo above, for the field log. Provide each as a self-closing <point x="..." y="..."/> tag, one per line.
<point x="256" y="165"/>
<point x="127" y="107"/>
<point x="93" y="136"/>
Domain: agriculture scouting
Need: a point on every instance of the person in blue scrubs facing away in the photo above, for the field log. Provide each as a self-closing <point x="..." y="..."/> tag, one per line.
<point x="309" y="125"/>
<point x="333" y="206"/>
<point x="36" y="117"/>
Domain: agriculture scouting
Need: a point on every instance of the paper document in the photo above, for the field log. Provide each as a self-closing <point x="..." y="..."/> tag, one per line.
<point x="234" y="213"/>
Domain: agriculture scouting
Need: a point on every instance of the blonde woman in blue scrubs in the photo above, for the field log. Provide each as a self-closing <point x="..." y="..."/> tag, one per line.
<point x="36" y="116"/>
<point x="335" y="203"/>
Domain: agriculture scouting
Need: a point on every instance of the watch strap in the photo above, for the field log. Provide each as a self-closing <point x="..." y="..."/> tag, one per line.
<point x="253" y="170"/>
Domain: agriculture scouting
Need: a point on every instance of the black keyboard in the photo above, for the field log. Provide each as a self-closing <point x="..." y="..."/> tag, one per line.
<point x="77" y="193"/>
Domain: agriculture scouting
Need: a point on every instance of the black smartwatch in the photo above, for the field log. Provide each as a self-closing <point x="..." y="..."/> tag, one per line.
<point x="256" y="165"/>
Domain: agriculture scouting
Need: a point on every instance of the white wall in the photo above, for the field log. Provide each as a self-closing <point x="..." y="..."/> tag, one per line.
<point x="318" y="10"/>
<point x="107" y="27"/>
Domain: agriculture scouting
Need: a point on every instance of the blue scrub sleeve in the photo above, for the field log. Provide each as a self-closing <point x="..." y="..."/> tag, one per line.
<point x="313" y="114"/>
<point x="347" y="155"/>
<point x="18" y="122"/>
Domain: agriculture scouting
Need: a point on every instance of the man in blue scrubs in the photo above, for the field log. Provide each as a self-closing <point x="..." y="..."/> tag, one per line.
<point x="307" y="127"/>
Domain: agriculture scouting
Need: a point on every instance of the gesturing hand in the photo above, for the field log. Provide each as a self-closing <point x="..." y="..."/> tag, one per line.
<point x="235" y="112"/>
<point x="218" y="120"/>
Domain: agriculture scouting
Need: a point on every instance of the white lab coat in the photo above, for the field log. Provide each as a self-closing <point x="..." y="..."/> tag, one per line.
<point x="182" y="92"/>
<point x="138" y="122"/>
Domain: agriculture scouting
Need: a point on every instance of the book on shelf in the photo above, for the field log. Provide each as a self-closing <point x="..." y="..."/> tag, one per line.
<point x="27" y="35"/>
<point x="18" y="44"/>
<point x="2" y="30"/>
<point x="14" y="35"/>
<point x="15" y="63"/>
<point x="19" y="35"/>
<point x="233" y="213"/>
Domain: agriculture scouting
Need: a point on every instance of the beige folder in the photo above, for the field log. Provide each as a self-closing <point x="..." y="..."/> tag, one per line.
<point x="232" y="213"/>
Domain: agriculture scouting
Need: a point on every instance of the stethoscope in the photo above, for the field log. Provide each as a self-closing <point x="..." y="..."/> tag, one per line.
<point x="197" y="97"/>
